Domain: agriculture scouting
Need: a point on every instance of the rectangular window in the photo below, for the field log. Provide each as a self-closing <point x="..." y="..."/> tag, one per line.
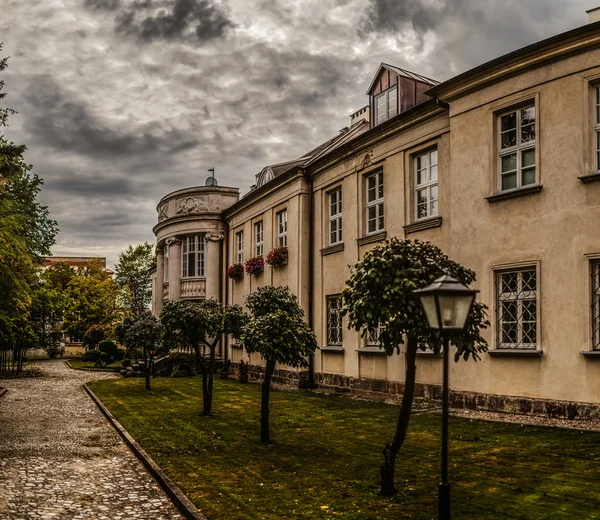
<point x="373" y="338"/>
<point x="334" y="320"/>
<point x="386" y="105"/>
<point x="517" y="148"/>
<point x="426" y="184"/>
<point x="239" y="240"/>
<point x="166" y="264"/>
<point x="258" y="238"/>
<point x="595" y="271"/>
<point x="335" y="217"/>
<point x="192" y="256"/>
<point x="282" y="228"/>
<point x="375" y="221"/>
<point x="517" y="305"/>
<point x="597" y="125"/>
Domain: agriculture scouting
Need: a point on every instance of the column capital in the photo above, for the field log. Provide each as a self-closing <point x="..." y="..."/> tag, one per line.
<point x="173" y="241"/>
<point x="214" y="237"/>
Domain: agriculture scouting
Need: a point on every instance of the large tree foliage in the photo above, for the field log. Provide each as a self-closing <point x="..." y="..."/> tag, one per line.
<point x="26" y="235"/>
<point x="278" y="332"/>
<point x="147" y="333"/>
<point x="200" y="325"/>
<point x="91" y="300"/>
<point x="132" y="275"/>
<point x="380" y="297"/>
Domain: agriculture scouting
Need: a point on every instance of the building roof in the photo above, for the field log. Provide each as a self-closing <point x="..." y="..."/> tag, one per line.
<point x="401" y="72"/>
<point x="535" y="49"/>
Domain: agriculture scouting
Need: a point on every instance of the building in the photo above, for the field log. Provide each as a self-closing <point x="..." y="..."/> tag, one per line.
<point x="75" y="262"/>
<point x="497" y="166"/>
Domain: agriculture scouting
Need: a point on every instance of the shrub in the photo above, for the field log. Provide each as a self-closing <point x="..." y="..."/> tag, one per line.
<point x="91" y="355"/>
<point x="109" y="353"/>
<point x="254" y="265"/>
<point x="278" y="256"/>
<point x="236" y="271"/>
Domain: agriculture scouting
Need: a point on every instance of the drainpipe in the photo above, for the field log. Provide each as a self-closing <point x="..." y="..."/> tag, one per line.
<point x="311" y="358"/>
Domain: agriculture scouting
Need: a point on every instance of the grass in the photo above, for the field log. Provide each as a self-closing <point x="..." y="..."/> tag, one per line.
<point x="78" y="364"/>
<point x="326" y="451"/>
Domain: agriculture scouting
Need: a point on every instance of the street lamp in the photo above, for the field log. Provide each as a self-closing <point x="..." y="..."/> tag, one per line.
<point x="447" y="304"/>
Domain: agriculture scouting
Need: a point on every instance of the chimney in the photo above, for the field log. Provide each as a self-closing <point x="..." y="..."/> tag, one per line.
<point x="362" y="113"/>
<point x="593" y="15"/>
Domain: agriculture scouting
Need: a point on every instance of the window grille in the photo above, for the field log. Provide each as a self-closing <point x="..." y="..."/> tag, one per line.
<point x="335" y="217"/>
<point x="375" y="222"/>
<point x="517" y="148"/>
<point x="386" y="105"/>
<point x="192" y="256"/>
<point x="334" y="320"/>
<point x="240" y="246"/>
<point x="282" y="228"/>
<point x="258" y="237"/>
<point x="374" y="338"/>
<point x="426" y="184"/>
<point x="517" y="308"/>
<point x="595" y="270"/>
<point x="597" y="124"/>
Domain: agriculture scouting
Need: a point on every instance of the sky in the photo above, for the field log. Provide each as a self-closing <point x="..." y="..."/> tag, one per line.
<point x="123" y="101"/>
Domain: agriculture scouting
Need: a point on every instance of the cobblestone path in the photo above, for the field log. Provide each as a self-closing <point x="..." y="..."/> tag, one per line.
<point x="59" y="457"/>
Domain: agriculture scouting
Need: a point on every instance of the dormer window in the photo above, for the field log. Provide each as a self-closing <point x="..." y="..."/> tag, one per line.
<point x="386" y="105"/>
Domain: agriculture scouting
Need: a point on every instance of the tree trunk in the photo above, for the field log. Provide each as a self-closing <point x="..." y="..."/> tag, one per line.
<point x="147" y="369"/>
<point x="264" y="402"/>
<point x="211" y="375"/>
<point x="387" y="487"/>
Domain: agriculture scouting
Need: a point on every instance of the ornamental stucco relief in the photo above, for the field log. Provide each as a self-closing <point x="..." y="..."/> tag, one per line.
<point x="192" y="204"/>
<point x="163" y="212"/>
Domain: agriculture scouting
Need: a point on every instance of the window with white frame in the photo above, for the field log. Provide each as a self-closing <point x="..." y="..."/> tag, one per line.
<point x="282" y="228"/>
<point x="517" y="148"/>
<point x="595" y="272"/>
<point x="192" y="256"/>
<point x="375" y="220"/>
<point x="258" y="238"/>
<point x="597" y="125"/>
<point x="426" y="184"/>
<point x="335" y="217"/>
<point x="334" y="320"/>
<point x="239" y="242"/>
<point x="166" y="264"/>
<point x="386" y="105"/>
<point x="517" y="304"/>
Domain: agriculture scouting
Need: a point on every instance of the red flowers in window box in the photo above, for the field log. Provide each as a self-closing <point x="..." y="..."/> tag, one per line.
<point x="277" y="257"/>
<point x="254" y="265"/>
<point x="236" y="271"/>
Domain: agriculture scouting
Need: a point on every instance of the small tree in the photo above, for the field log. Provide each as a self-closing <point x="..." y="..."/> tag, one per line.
<point x="278" y="332"/>
<point x="147" y="333"/>
<point x="380" y="297"/>
<point x="200" y="325"/>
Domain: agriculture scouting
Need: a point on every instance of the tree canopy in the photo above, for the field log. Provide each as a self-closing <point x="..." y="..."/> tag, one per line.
<point x="379" y="298"/>
<point x="132" y="275"/>
<point x="278" y="332"/>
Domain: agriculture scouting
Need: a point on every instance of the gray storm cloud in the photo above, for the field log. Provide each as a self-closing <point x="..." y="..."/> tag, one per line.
<point x="122" y="101"/>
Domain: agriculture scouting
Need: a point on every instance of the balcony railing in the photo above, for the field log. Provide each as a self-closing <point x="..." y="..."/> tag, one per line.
<point x="165" y="290"/>
<point x="193" y="288"/>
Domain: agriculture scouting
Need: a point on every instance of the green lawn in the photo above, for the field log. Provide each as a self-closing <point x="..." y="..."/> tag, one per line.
<point x="89" y="365"/>
<point x="326" y="450"/>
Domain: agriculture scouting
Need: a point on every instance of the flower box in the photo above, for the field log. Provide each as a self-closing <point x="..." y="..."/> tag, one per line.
<point x="254" y="265"/>
<point x="277" y="257"/>
<point x="236" y="271"/>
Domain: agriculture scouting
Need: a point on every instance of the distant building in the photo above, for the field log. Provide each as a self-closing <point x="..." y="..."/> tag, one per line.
<point x="498" y="166"/>
<point x="75" y="262"/>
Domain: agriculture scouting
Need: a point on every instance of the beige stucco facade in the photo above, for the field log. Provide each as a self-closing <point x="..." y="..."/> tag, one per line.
<point x="545" y="230"/>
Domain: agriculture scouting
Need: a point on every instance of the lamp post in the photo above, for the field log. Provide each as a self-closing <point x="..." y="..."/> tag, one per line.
<point x="446" y="303"/>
